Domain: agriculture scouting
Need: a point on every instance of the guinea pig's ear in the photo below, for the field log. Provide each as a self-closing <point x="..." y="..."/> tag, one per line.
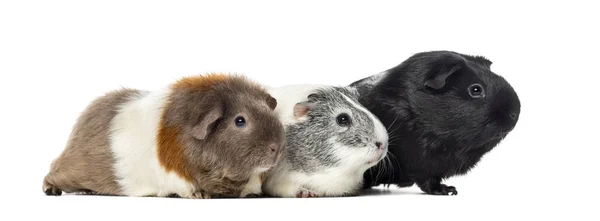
<point x="302" y="108"/>
<point x="484" y="61"/>
<point x="439" y="80"/>
<point x="272" y="102"/>
<point x="314" y="97"/>
<point x="202" y="128"/>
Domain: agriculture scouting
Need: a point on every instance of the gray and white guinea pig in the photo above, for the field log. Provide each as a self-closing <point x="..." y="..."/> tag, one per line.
<point x="201" y="137"/>
<point x="331" y="140"/>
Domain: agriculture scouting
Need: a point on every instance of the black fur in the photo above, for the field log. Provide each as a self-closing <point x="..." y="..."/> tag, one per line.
<point x="437" y="129"/>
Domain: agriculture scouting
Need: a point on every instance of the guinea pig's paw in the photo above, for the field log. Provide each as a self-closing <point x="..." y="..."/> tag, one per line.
<point x="51" y="190"/>
<point x="253" y="195"/>
<point x="305" y="193"/>
<point x="173" y="195"/>
<point x="200" y="195"/>
<point x="444" y="190"/>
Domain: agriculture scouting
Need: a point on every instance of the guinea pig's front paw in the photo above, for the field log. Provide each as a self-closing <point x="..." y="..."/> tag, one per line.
<point x="304" y="193"/>
<point x="200" y="195"/>
<point x="444" y="190"/>
<point x="434" y="186"/>
<point x="254" y="195"/>
<point x="51" y="190"/>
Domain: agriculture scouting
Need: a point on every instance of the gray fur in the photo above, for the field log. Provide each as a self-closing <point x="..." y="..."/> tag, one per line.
<point x="310" y="143"/>
<point x="86" y="163"/>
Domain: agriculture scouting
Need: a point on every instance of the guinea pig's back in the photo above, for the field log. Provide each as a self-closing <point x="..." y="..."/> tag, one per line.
<point x="86" y="163"/>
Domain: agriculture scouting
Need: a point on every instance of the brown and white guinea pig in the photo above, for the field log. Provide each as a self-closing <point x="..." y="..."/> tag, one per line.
<point x="331" y="140"/>
<point x="201" y="137"/>
<point x="445" y="111"/>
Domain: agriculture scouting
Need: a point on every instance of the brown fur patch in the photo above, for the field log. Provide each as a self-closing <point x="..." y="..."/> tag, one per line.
<point x="201" y="82"/>
<point x="170" y="151"/>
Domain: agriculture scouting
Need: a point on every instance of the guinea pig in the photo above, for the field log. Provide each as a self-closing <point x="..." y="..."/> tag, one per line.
<point x="444" y="111"/>
<point x="331" y="140"/>
<point x="200" y="137"/>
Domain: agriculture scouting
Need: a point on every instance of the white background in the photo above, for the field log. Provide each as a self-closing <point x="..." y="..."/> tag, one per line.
<point x="56" y="56"/>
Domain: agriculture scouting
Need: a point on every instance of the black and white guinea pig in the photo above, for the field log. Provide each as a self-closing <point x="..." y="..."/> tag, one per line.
<point x="444" y="111"/>
<point x="331" y="140"/>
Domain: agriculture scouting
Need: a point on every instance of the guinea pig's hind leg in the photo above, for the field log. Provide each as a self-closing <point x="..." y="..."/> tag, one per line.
<point x="434" y="186"/>
<point x="305" y="193"/>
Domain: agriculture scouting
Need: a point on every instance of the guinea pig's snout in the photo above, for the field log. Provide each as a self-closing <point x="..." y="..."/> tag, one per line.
<point x="275" y="152"/>
<point x="273" y="148"/>
<point x="381" y="145"/>
<point x="514" y="115"/>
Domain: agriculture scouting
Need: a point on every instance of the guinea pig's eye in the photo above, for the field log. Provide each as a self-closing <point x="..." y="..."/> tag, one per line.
<point x="343" y="120"/>
<point x="240" y="122"/>
<point x="476" y="91"/>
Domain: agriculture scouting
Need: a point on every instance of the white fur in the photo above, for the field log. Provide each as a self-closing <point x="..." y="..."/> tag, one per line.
<point x="335" y="181"/>
<point x="342" y="179"/>
<point x="254" y="185"/>
<point x="133" y="142"/>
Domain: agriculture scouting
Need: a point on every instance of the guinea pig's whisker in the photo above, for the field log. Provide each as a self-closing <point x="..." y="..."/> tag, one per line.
<point x="382" y="167"/>
<point x="391" y="176"/>
<point x="394" y="130"/>
<point x="389" y="167"/>
<point x="371" y="173"/>
<point x="382" y="171"/>
<point x="379" y="172"/>
<point x="393" y="137"/>
<point x="395" y="159"/>
<point x="392" y="141"/>
<point x="392" y="124"/>
<point x="388" y="129"/>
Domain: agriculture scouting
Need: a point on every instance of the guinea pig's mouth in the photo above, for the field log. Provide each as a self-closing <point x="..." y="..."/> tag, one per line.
<point x="495" y="136"/>
<point x="381" y="153"/>
<point x="272" y="164"/>
<point x="267" y="166"/>
<point x="262" y="169"/>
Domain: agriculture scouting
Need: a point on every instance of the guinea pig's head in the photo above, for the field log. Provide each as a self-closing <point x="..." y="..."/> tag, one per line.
<point x="454" y="97"/>
<point x="227" y="122"/>
<point x="338" y="131"/>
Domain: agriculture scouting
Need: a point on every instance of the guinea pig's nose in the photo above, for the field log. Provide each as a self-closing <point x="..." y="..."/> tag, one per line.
<point x="514" y="115"/>
<point x="273" y="148"/>
<point x="380" y="145"/>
